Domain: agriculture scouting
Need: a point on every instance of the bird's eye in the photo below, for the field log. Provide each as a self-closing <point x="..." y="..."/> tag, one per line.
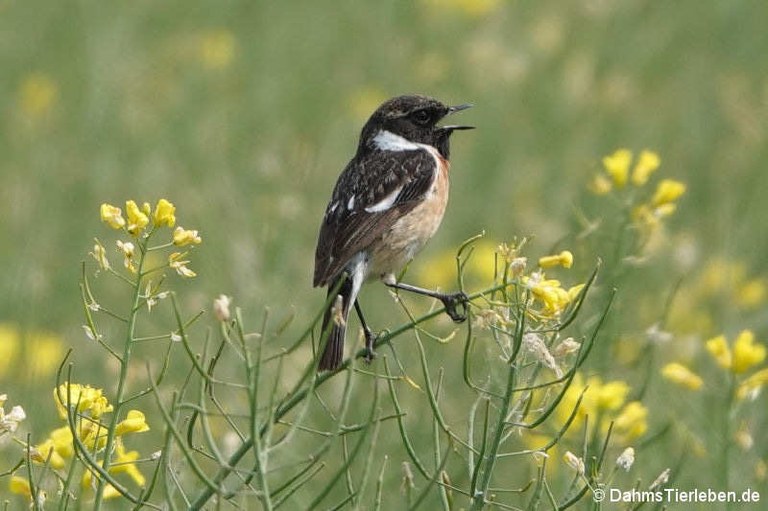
<point x="421" y="117"/>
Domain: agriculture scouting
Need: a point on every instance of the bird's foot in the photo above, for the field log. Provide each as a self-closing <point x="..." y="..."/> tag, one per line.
<point x="370" y="341"/>
<point x="451" y="302"/>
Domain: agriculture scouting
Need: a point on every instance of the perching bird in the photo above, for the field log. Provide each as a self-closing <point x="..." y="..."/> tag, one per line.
<point x="387" y="203"/>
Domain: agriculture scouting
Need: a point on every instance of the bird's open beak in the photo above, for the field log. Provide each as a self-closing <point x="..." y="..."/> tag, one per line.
<point x="454" y="109"/>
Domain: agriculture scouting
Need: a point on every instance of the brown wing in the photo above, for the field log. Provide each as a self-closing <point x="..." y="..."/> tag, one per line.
<point x="372" y="193"/>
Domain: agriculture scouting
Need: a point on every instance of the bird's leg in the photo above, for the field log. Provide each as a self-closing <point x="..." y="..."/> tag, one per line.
<point x="370" y="338"/>
<point x="451" y="301"/>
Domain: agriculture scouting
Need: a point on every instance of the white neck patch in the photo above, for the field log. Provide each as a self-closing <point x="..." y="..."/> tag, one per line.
<point x="388" y="141"/>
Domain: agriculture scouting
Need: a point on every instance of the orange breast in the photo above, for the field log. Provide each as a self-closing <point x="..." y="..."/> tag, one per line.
<point x="411" y="232"/>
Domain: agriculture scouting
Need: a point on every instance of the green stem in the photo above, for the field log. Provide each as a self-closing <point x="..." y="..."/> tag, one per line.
<point x="123" y="378"/>
<point x="301" y="391"/>
<point x="491" y="455"/>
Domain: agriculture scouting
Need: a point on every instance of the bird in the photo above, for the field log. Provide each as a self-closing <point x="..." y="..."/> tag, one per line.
<point x="387" y="203"/>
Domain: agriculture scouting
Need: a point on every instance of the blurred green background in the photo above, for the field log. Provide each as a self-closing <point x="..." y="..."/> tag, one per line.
<point x="243" y="114"/>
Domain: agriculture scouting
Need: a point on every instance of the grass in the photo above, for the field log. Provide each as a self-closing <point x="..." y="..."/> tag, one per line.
<point x="243" y="116"/>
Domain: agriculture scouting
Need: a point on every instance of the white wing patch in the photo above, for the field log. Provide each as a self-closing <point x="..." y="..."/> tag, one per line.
<point x="351" y="203"/>
<point x="388" y="141"/>
<point x="385" y="203"/>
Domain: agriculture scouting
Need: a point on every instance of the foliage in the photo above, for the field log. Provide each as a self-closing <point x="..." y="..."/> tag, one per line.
<point x="244" y="115"/>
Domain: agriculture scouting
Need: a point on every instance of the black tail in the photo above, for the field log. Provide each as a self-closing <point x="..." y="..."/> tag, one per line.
<point x="333" y="353"/>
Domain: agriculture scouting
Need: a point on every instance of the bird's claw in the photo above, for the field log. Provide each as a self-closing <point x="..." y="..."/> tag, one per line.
<point x="452" y="301"/>
<point x="370" y="341"/>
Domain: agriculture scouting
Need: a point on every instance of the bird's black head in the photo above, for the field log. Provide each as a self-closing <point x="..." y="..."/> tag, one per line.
<point x="414" y="118"/>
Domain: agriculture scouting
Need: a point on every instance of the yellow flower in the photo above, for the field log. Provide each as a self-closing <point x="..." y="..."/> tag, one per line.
<point x="610" y="395"/>
<point x="746" y="353"/>
<point x="217" y="49"/>
<point x="20" y="486"/>
<point x="575" y="291"/>
<point x="135" y="422"/>
<point x="681" y="375"/>
<point x="175" y="262"/>
<point x="667" y="192"/>
<point x="632" y="422"/>
<point x="124" y="463"/>
<point x="84" y="397"/>
<point x="92" y="434"/>
<point x="137" y="220"/>
<point x="58" y="446"/>
<point x="62" y="441"/>
<point x="718" y="348"/>
<point x="550" y="293"/>
<point x="752" y="385"/>
<point x="603" y="402"/>
<point x="89" y="402"/>
<point x="182" y="237"/>
<point x="599" y="397"/>
<point x="564" y="259"/>
<point x="110" y="492"/>
<point x="164" y="213"/>
<point x="40" y="453"/>
<point x="37" y="95"/>
<point x="617" y="166"/>
<point x="646" y="165"/>
<point x="112" y="216"/>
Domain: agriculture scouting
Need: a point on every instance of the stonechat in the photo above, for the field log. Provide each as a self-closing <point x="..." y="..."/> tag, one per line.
<point x="387" y="203"/>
